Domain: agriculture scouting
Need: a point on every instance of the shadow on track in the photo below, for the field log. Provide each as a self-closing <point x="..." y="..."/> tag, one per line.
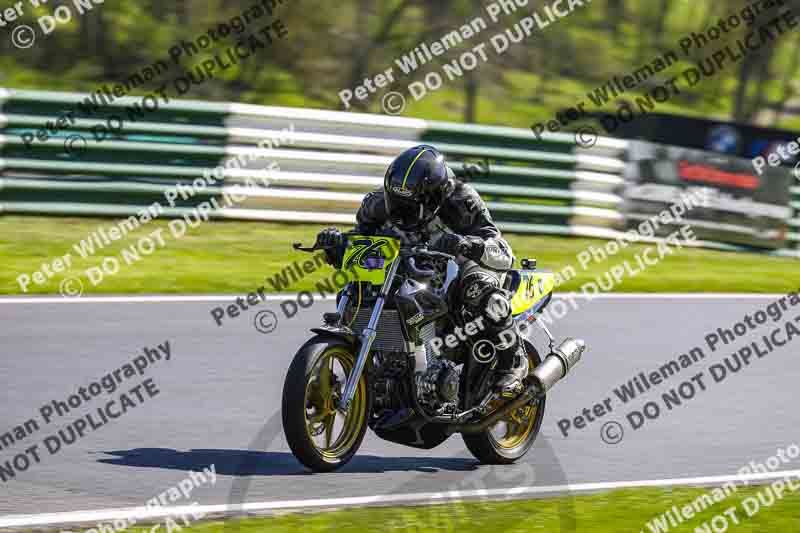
<point x="255" y="463"/>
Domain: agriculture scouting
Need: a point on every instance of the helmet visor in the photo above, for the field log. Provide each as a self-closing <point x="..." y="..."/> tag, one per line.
<point x="406" y="213"/>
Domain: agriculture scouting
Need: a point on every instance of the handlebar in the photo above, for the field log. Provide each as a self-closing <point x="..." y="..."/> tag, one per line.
<point x="299" y="246"/>
<point x="405" y="250"/>
<point x="423" y="250"/>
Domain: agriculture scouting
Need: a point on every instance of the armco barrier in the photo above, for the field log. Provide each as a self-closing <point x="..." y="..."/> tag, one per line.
<point x="549" y="186"/>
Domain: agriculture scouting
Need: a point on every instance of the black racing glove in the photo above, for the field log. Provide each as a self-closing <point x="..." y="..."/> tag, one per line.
<point x="454" y="244"/>
<point x="332" y="241"/>
<point x="329" y="238"/>
<point x="451" y="243"/>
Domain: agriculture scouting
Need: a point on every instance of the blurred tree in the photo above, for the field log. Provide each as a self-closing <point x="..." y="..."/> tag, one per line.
<point x="368" y="44"/>
<point x="755" y="73"/>
<point x="660" y="24"/>
<point x="471" y="85"/>
<point x="789" y="84"/>
<point x="332" y="46"/>
<point x="615" y="14"/>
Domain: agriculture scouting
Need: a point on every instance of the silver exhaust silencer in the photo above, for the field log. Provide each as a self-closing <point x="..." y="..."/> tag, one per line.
<point x="558" y="364"/>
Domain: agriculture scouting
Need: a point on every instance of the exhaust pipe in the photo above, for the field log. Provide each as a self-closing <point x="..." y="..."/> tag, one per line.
<point x="553" y="369"/>
<point x="558" y="364"/>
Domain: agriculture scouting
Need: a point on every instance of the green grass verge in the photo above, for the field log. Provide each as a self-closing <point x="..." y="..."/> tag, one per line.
<point x="238" y="257"/>
<point x="612" y="512"/>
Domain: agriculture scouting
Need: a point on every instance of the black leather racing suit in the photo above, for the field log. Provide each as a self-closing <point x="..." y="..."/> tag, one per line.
<point x="478" y="290"/>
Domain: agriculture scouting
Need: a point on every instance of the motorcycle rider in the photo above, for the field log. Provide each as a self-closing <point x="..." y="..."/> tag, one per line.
<point x="421" y="195"/>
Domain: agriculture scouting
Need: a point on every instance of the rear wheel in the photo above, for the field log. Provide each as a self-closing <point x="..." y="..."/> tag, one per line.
<point x="511" y="437"/>
<point x="320" y="434"/>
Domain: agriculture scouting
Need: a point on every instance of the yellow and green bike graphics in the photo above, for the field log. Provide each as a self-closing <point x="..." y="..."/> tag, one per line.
<point x="367" y="258"/>
<point x="533" y="288"/>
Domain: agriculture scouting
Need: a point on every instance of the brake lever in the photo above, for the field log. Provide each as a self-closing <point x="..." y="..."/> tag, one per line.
<point x="299" y="246"/>
<point x="412" y="266"/>
<point x="431" y="253"/>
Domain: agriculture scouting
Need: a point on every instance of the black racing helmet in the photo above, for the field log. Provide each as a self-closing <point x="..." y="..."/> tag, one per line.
<point x="416" y="184"/>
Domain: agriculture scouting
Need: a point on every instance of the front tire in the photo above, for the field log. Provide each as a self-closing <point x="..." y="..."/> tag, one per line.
<point x="512" y="437"/>
<point x="314" y="384"/>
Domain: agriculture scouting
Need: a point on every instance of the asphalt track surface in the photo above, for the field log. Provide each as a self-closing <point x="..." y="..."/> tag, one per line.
<point x="221" y="391"/>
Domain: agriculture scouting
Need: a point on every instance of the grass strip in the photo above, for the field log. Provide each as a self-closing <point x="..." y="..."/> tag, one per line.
<point x="238" y="257"/>
<point x="612" y="512"/>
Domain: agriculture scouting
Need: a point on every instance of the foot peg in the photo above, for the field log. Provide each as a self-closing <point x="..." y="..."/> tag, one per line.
<point x="510" y="382"/>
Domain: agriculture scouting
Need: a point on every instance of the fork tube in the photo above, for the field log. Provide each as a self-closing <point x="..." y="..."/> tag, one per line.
<point x="342" y="307"/>
<point x="367" y="338"/>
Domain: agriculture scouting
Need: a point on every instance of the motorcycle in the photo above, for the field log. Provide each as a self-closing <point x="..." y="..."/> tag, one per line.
<point x="397" y="358"/>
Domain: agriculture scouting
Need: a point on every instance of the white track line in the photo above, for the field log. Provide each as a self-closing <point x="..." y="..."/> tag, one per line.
<point x="144" y="513"/>
<point x="281" y="297"/>
<point x="136" y="299"/>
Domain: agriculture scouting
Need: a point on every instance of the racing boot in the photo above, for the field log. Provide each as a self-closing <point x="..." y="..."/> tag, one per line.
<point x="511" y="371"/>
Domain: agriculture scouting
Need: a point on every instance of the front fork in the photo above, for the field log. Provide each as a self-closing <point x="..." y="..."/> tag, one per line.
<point x="367" y="336"/>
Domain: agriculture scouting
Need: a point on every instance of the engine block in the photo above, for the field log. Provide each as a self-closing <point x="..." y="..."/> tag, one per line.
<point x="437" y="387"/>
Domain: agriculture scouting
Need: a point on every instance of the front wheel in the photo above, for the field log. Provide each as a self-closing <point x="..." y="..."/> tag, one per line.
<point x="319" y="433"/>
<point x="510" y="438"/>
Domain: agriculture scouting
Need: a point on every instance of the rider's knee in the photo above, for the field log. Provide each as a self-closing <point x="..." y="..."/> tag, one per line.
<point x="497" y="308"/>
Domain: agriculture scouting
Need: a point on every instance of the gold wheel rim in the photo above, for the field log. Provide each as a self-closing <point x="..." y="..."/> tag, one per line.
<point x="324" y="387"/>
<point x="515" y="429"/>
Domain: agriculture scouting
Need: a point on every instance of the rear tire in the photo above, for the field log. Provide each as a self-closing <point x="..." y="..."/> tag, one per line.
<point x="489" y="448"/>
<point x="309" y="412"/>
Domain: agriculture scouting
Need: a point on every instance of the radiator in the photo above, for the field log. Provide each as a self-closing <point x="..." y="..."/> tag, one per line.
<point x="390" y="334"/>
